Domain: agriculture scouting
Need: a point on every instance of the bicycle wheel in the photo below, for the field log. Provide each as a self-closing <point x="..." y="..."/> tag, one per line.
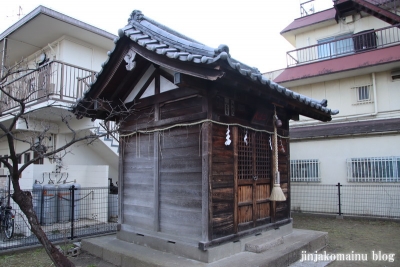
<point x="8" y="226"/>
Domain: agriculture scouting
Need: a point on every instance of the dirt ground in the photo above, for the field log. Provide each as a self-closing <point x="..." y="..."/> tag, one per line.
<point x="347" y="236"/>
<point x="38" y="258"/>
<point x="358" y="236"/>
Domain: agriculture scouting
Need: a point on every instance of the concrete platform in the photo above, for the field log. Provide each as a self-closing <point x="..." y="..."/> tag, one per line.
<point x="259" y="253"/>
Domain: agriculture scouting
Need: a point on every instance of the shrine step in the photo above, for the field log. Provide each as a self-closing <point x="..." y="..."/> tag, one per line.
<point x="261" y="245"/>
<point x="125" y="254"/>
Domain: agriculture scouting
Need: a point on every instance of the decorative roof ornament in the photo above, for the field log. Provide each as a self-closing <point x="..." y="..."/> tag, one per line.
<point x="136" y="15"/>
<point x="130" y="60"/>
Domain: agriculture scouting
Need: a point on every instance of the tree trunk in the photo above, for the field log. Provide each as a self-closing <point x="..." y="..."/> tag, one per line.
<point x="24" y="201"/>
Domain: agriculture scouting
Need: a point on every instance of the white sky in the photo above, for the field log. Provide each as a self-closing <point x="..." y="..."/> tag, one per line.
<point x="250" y="28"/>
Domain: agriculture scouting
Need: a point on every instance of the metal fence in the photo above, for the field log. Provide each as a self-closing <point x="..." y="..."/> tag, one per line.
<point x="354" y="200"/>
<point x="65" y="214"/>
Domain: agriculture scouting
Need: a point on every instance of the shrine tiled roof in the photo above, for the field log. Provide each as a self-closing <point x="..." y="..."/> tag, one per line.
<point x="164" y="41"/>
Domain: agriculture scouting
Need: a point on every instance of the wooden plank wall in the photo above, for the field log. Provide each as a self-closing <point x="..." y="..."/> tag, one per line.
<point x="182" y="107"/>
<point x="181" y="182"/>
<point x="222" y="184"/>
<point x="138" y="172"/>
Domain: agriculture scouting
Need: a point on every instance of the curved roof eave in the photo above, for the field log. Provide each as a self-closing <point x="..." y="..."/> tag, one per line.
<point x="164" y="41"/>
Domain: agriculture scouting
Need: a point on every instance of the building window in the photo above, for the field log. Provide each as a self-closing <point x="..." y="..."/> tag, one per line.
<point x="335" y="46"/>
<point x="374" y="169"/>
<point x="39" y="160"/>
<point x="305" y="170"/>
<point x="362" y="94"/>
<point x="4" y="165"/>
<point x="27" y="157"/>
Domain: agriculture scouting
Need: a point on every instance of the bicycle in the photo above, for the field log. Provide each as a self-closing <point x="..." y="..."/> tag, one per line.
<point x="6" y="219"/>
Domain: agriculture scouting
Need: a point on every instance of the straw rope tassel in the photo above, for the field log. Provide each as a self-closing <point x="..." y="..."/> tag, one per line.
<point x="277" y="193"/>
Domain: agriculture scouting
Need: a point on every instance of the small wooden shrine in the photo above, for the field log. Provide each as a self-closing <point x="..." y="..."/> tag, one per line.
<point x="198" y="156"/>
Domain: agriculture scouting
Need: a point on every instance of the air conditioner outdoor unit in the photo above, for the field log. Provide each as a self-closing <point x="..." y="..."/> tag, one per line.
<point x="395" y="75"/>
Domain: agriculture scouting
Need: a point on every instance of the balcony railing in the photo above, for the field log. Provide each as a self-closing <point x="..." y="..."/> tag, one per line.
<point x="356" y="43"/>
<point x="55" y="80"/>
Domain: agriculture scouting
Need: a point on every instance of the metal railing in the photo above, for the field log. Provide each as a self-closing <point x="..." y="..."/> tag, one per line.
<point x="56" y="80"/>
<point x="363" y="200"/>
<point x="348" y="45"/>
<point x="65" y="214"/>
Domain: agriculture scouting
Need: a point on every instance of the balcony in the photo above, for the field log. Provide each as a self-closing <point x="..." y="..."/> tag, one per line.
<point x="347" y="45"/>
<point x="55" y="80"/>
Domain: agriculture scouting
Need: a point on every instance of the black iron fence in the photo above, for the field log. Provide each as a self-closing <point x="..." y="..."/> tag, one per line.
<point x="355" y="200"/>
<point x="65" y="213"/>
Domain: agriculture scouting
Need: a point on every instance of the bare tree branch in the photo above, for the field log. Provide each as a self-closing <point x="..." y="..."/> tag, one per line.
<point x="20" y="124"/>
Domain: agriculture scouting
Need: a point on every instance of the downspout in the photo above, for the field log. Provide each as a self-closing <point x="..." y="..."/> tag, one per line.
<point x="375" y="99"/>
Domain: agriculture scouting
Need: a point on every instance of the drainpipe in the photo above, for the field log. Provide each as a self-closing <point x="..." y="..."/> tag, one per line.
<point x="375" y="99"/>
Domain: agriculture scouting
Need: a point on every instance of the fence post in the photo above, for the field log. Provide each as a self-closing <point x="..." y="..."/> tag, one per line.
<point x="72" y="189"/>
<point x="340" y="202"/>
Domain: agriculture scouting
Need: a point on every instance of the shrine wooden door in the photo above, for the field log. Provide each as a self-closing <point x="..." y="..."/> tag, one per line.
<point x="252" y="163"/>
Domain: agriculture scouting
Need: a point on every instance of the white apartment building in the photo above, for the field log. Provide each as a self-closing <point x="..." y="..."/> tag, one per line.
<point x="63" y="55"/>
<point x="349" y="54"/>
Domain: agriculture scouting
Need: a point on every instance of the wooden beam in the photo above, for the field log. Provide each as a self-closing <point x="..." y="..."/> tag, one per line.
<point x="166" y="122"/>
<point x="235" y="179"/>
<point x="164" y="97"/>
<point x="166" y="75"/>
<point x="206" y="213"/>
<point x="121" y="181"/>
<point x="129" y="80"/>
<point x="132" y="79"/>
<point x="156" y="182"/>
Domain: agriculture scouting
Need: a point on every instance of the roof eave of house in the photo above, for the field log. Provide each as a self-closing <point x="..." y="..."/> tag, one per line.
<point x="49" y="12"/>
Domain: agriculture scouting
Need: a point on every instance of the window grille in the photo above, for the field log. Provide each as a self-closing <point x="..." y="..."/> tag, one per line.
<point x="362" y="94"/>
<point x="305" y="170"/>
<point x="254" y="159"/>
<point x="374" y="169"/>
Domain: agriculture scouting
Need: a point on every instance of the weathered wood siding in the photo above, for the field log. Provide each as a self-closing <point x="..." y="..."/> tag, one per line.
<point x="180" y="182"/>
<point x="138" y="195"/>
<point x="181" y="107"/>
<point x="222" y="184"/>
<point x="140" y="117"/>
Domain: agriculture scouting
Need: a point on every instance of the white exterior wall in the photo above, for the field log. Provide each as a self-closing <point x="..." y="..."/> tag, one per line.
<point x="79" y="53"/>
<point x="333" y="152"/>
<point x="340" y="96"/>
